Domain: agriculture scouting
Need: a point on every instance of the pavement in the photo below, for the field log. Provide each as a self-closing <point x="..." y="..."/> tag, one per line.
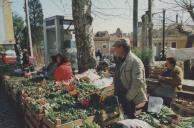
<point x="9" y="118"/>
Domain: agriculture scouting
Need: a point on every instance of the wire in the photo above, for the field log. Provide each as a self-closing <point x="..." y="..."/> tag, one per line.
<point x="105" y="14"/>
<point x="166" y="2"/>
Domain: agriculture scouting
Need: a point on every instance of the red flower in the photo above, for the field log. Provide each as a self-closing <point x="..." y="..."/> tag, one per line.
<point x="85" y="103"/>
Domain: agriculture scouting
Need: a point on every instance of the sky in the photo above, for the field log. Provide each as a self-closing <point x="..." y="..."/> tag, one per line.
<point x="111" y="14"/>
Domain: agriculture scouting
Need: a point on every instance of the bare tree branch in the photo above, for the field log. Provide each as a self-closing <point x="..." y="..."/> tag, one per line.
<point x="187" y="5"/>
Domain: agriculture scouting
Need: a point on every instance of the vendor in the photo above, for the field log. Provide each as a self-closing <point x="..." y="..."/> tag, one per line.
<point x="63" y="71"/>
<point x="170" y="81"/>
<point x="51" y="68"/>
<point x="26" y="59"/>
<point x="129" y="80"/>
<point x="27" y="65"/>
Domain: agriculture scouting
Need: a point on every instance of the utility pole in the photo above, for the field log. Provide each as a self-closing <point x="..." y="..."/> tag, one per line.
<point x="29" y="27"/>
<point x="144" y="31"/>
<point x="177" y="18"/>
<point x="135" y="22"/>
<point x="150" y="22"/>
<point x="163" y="38"/>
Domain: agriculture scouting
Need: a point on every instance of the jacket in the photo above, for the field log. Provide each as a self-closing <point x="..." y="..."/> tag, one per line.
<point x="133" y="79"/>
<point x="176" y="77"/>
<point x="63" y="72"/>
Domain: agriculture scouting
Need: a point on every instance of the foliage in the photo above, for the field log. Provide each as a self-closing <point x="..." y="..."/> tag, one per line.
<point x="90" y="125"/>
<point x="36" y="20"/>
<point x="166" y="118"/>
<point x="145" y="55"/>
<point x="36" y="13"/>
<point x="18" y="24"/>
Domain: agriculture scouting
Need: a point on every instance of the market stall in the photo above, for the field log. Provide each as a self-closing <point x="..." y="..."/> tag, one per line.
<point x="50" y="104"/>
<point x="77" y="103"/>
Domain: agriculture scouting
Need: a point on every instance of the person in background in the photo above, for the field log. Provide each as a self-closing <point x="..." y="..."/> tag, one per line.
<point x="51" y="68"/>
<point x="18" y="52"/>
<point x="171" y="80"/>
<point x="99" y="54"/>
<point x="63" y="71"/>
<point x="26" y="59"/>
<point x="129" y="79"/>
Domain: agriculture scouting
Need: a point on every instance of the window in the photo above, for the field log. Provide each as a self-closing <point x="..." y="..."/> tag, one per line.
<point x="173" y="44"/>
<point x="104" y="46"/>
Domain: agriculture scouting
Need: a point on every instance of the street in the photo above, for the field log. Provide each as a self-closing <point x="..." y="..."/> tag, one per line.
<point x="8" y="114"/>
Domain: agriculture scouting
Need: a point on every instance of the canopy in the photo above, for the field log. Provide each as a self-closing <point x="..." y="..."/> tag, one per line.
<point x="181" y="54"/>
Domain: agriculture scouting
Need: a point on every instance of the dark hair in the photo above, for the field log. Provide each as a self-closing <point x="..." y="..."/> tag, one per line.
<point x="54" y="58"/>
<point x="122" y="43"/>
<point x="63" y="59"/>
<point x="171" y="60"/>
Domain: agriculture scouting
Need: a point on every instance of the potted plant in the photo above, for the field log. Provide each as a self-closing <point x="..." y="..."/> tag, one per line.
<point x="146" y="56"/>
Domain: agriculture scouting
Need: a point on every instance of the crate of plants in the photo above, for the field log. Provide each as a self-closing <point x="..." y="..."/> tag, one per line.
<point x="67" y="111"/>
<point x="70" y="112"/>
<point x="11" y="88"/>
<point x="34" y="113"/>
<point x="184" y="104"/>
<point x="166" y="119"/>
<point x="70" y="105"/>
<point x="183" y="107"/>
<point x="109" y="111"/>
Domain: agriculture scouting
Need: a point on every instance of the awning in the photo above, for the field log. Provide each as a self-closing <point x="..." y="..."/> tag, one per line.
<point x="181" y="54"/>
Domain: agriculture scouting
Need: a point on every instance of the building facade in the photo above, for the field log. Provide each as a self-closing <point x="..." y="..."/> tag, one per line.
<point x="173" y="39"/>
<point x="6" y="23"/>
<point x="104" y="42"/>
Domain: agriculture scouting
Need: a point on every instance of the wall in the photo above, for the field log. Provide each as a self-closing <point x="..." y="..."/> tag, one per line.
<point x="2" y="29"/>
<point x="6" y="22"/>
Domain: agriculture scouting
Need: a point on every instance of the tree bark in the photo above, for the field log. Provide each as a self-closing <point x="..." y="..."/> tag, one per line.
<point x="191" y="12"/>
<point x="81" y="10"/>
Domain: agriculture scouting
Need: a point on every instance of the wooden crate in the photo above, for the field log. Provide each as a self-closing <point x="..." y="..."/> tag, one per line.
<point x="47" y="123"/>
<point x="32" y="118"/>
<point x="13" y="95"/>
<point x="182" y="110"/>
<point x="185" y="95"/>
<point x="31" y="122"/>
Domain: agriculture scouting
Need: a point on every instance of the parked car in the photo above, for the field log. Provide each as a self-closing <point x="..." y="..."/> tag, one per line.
<point x="9" y="57"/>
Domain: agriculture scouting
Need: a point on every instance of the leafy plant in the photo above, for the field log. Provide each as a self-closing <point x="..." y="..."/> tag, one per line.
<point x="145" y="55"/>
<point x="90" y="125"/>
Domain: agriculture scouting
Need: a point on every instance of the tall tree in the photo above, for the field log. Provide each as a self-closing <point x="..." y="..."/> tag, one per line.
<point x="20" y="31"/>
<point x="18" y="24"/>
<point x="81" y="10"/>
<point x="187" y="5"/>
<point x="36" y="20"/>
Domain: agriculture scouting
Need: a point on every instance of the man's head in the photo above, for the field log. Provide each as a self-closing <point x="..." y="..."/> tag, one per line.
<point x="121" y="48"/>
<point x="170" y="63"/>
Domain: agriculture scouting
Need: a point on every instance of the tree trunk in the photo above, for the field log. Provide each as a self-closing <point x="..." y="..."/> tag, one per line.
<point x="192" y="14"/>
<point x="81" y="10"/>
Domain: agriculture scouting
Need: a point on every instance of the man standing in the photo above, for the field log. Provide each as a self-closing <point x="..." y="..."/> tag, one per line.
<point x="129" y="80"/>
<point x="170" y="81"/>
